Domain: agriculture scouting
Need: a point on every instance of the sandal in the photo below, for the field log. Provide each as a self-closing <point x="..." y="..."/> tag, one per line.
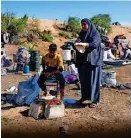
<point x="92" y="105"/>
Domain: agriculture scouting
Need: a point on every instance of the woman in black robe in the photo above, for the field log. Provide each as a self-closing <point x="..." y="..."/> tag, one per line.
<point x="89" y="63"/>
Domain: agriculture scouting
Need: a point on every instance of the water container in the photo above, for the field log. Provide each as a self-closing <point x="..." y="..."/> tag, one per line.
<point x="66" y="54"/>
<point x="26" y="69"/>
<point x="34" y="61"/>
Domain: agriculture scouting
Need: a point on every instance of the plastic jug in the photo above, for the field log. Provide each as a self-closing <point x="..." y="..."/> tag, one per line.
<point x="26" y="69"/>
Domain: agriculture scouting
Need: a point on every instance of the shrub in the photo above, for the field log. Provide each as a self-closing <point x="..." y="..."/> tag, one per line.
<point x="46" y="37"/>
<point x="65" y="35"/>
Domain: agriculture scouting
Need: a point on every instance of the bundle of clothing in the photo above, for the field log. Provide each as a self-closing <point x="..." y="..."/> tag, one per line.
<point x="124" y="46"/>
<point x="109" y="80"/>
<point x="6" y="62"/>
<point x="22" y="58"/>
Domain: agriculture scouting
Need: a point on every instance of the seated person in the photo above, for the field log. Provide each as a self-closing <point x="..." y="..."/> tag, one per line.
<point x="52" y="65"/>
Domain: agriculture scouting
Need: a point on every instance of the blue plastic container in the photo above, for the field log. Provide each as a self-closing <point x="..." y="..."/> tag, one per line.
<point x="26" y="69"/>
<point x="69" y="101"/>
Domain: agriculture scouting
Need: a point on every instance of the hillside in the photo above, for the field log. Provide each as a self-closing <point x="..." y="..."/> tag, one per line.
<point x="50" y="25"/>
<point x="120" y="30"/>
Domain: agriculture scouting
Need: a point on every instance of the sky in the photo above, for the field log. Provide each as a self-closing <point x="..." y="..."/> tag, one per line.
<point x="61" y="10"/>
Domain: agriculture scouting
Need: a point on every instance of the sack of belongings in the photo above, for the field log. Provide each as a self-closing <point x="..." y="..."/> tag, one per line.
<point x="122" y="44"/>
<point x="5" y="62"/>
<point x="71" y="78"/>
<point x="27" y="91"/>
<point x="109" y="78"/>
<point x="22" y="56"/>
<point x="122" y="40"/>
<point x="73" y="69"/>
<point x="3" y="72"/>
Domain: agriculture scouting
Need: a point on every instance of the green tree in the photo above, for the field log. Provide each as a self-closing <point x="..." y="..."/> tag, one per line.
<point x="3" y="23"/>
<point x="6" y="19"/>
<point x="73" y="25"/>
<point x="102" y="21"/>
<point x="11" y="24"/>
<point x="25" y="17"/>
<point x="18" y="25"/>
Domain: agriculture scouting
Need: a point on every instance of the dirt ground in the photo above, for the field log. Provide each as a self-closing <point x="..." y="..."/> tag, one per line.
<point x="113" y="115"/>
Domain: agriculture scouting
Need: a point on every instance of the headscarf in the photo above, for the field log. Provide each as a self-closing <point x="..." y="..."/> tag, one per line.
<point x="90" y="32"/>
<point x="94" y="41"/>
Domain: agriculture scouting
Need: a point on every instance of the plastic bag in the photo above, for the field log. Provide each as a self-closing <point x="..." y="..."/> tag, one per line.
<point x="109" y="78"/>
<point x="27" y="91"/>
<point x="70" y="78"/>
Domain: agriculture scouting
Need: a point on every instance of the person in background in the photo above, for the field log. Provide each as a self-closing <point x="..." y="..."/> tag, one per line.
<point x="52" y="64"/>
<point x="89" y="62"/>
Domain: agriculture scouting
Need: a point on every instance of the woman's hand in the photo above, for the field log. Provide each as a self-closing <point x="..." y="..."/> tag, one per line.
<point x="77" y="41"/>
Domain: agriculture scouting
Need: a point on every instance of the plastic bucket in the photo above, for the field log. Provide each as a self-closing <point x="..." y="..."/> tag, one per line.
<point x="66" y="54"/>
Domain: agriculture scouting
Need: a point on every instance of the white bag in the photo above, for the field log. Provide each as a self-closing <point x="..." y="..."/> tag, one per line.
<point x="105" y="55"/>
<point x="3" y="72"/>
<point x="109" y="78"/>
<point x="73" y="69"/>
<point x="109" y="54"/>
<point x="54" y="111"/>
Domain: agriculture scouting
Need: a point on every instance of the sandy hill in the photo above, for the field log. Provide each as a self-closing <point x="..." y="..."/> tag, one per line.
<point x="59" y="40"/>
<point x="49" y="25"/>
<point x="120" y="30"/>
<point x="45" y="24"/>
